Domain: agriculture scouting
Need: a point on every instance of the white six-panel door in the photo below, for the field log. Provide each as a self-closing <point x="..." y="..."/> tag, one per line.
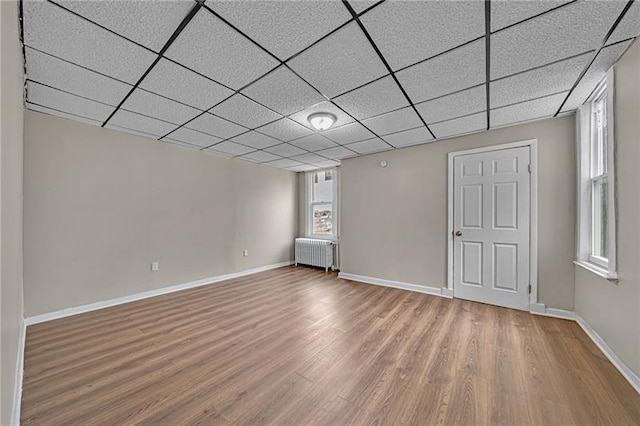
<point x="491" y="227"/>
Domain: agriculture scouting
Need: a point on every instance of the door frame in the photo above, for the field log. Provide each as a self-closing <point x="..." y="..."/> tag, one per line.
<point x="533" y="214"/>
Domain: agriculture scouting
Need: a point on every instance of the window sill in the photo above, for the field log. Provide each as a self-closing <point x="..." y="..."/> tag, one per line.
<point x="599" y="271"/>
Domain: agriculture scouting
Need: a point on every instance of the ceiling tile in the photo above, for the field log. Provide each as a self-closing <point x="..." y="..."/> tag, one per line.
<point x="538" y="108"/>
<point x="65" y="102"/>
<point x="140" y="123"/>
<point x="283" y="163"/>
<point x="337" y="153"/>
<point x="409" y="31"/>
<point x="231" y="148"/>
<point x="341" y="62"/>
<point x="313" y="143"/>
<point x="375" y="98"/>
<point x="215" y="126"/>
<point x="460" y="126"/>
<point x="539" y="82"/>
<point x="309" y="158"/>
<point x="456" y="70"/>
<point x="193" y="137"/>
<point x="567" y="31"/>
<point x="284" y="129"/>
<point x="244" y="111"/>
<point x="218" y="153"/>
<point x="350" y="133"/>
<point x="62" y="75"/>
<point x="341" y="118"/>
<point x="629" y="26"/>
<point x="458" y="104"/>
<point x="596" y="72"/>
<point x="327" y="163"/>
<point x="276" y="25"/>
<point x="207" y="39"/>
<point x="259" y="157"/>
<point x="158" y="107"/>
<point x="283" y="91"/>
<point x="409" y="137"/>
<point x="49" y="28"/>
<point x="361" y="5"/>
<point x="509" y="12"/>
<point x="256" y="140"/>
<point x="50" y="111"/>
<point x="285" y="150"/>
<point x="132" y="132"/>
<point x="370" y="145"/>
<point x="150" y="23"/>
<point x="178" y="83"/>
<point x="391" y="122"/>
<point x="303" y="168"/>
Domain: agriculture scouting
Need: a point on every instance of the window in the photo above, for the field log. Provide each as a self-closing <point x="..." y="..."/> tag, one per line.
<point x="596" y="207"/>
<point x="322" y="215"/>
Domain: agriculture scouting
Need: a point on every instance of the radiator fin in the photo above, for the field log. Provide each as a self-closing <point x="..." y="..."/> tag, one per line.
<point x="314" y="252"/>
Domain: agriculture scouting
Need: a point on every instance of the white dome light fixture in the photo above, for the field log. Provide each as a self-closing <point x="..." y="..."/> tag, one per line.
<point x="322" y="120"/>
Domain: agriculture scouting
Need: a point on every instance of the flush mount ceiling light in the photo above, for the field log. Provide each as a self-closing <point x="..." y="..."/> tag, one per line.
<point x="322" y="120"/>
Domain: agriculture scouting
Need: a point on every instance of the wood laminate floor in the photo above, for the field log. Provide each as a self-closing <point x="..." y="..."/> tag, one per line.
<point x="296" y="346"/>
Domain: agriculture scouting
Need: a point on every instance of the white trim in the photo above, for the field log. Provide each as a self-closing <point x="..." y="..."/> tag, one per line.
<point x="144" y="295"/>
<point x="533" y="218"/>
<point x="599" y="271"/>
<point x="17" y="392"/>
<point x="542" y="310"/>
<point x="631" y="377"/>
<point x="396" y="284"/>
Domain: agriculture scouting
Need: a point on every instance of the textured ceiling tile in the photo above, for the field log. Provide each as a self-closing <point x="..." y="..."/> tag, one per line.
<point x="259" y="157"/>
<point x="178" y="83"/>
<point x="341" y="118"/>
<point x="202" y="44"/>
<point x="283" y="91"/>
<point x="52" y="29"/>
<point x="537" y="83"/>
<point x="375" y="98"/>
<point x="596" y="72"/>
<point x="140" y="123"/>
<point x="50" y="111"/>
<point x="283" y="27"/>
<point x="150" y="23"/>
<point x="303" y="168"/>
<point x="158" y="107"/>
<point x="456" y="70"/>
<point x="451" y="106"/>
<point x="402" y="119"/>
<point x="337" y="153"/>
<point x="361" y="5"/>
<point x="244" y="111"/>
<point x="285" y="150"/>
<point x="409" y="31"/>
<point x="538" y="108"/>
<point x="285" y="130"/>
<point x="215" y="126"/>
<point x="370" y="145"/>
<point x="231" y="148"/>
<point x="71" y="104"/>
<point x="309" y="158"/>
<point x="509" y="12"/>
<point x="256" y="140"/>
<point x="327" y="163"/>
<point x="71" y="78"/>
<point x="409" y="137"/>
<point x="283" y="163"/>
<point x="313" y="143"/>
<point x="350" y="133"/>
<point x="567" y="31"/>
<point x="629" y="26"/>
<point x="341" y="62"/>
<point x="460" y="126"/>
<point x="193" y="137"/>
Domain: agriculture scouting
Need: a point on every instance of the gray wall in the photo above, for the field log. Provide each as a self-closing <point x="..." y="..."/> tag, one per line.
<point x="101" y="205"/>
<point x="394" y="220"/>
<point x="11" y="106"/>
<point x="613" y="309"/>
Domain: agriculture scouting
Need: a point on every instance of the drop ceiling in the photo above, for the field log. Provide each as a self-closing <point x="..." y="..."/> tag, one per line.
<point x="239" y="78"/>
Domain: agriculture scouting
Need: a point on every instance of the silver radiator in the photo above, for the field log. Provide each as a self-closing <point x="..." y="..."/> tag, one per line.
<point x="314" y="252"/>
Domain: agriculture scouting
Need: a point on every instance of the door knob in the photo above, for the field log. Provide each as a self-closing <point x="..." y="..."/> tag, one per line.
<point x="458" y="233"/>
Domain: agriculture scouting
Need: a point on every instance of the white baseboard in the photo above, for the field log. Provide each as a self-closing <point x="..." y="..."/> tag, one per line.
<point x="541" y="309"/>
<point x="144" y="295"/>
<point x="17" y="391"/>
<point x="631" y="377"/>
<point x="442" y="292"/>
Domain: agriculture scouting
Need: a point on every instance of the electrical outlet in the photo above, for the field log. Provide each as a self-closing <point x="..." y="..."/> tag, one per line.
<point x="245" y="253"/>
<point x="155" y="266"/>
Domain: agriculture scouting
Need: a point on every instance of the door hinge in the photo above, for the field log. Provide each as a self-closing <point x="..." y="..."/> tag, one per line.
<point x="529" y="168"/>
<point x="529" y="288"/>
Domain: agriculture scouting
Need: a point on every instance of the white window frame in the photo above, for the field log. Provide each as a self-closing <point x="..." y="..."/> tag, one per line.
<point x="605" y="268"/>
<point x="309" y="205"/>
